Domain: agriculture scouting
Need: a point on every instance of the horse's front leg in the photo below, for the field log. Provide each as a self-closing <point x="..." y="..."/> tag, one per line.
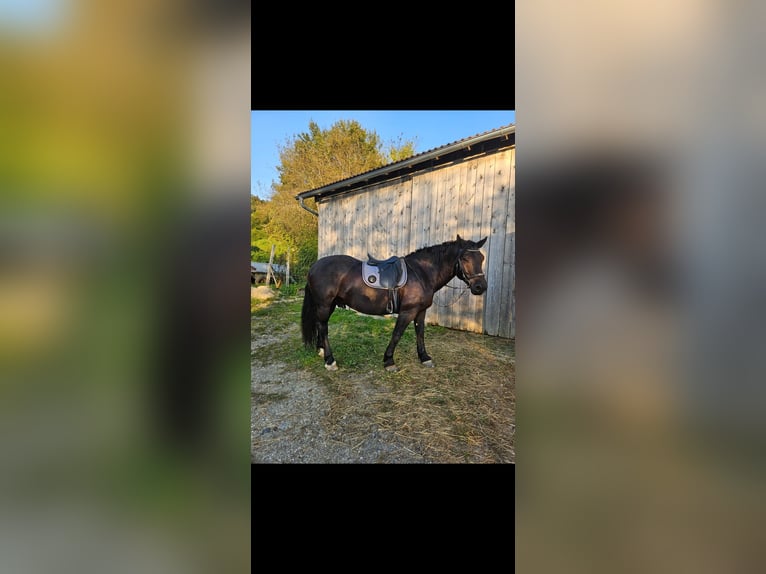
<point x="402" y="321"/>
<point x="420" y="331"/>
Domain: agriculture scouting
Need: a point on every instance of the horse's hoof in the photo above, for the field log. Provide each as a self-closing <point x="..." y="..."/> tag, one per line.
<point x="320" y="352"/>
<point x="392" y="368"/>
<point x="332" y="366"/>
<point x="429" y="363"/>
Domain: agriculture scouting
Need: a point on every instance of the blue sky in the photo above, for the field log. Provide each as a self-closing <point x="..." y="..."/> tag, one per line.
<point x="429" y="129"/>
<point x="31" y="15"/>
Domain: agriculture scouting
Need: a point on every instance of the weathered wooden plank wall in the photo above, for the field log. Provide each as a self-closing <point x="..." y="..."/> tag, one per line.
<point x="474" y="197"/>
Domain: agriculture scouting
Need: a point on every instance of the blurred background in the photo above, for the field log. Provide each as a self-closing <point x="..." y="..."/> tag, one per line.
<point x="124" y="339"/>
<point x="640" y="135"/>
<point x="124" y="354"/>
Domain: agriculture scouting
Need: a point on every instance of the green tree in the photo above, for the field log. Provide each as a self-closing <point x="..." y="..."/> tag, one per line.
<point x="400" y="149"/>
<point x="260" y="244"/>
<point x="315" y="158"/>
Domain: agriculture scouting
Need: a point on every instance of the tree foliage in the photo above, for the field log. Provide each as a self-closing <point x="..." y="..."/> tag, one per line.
<point x="260" y="242"/>
<point x="400" y="149"/>
<point x="307" y="161"/>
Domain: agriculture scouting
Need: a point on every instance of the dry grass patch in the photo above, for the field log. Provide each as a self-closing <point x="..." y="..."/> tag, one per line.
<point x="464" y="409"/>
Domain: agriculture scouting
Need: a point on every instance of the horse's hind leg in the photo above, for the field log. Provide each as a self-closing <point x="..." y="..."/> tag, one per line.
<point x="323" y="316"/>
<point x="320" y="339"/>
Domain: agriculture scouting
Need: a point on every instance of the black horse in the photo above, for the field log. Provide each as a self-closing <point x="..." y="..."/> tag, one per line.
<point x="336" y="281"/>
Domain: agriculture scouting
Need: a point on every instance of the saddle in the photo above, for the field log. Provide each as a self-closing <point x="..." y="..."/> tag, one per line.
<point x="390" y="274"/>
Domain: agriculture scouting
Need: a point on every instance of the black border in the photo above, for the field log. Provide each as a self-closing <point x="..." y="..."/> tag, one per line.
<point x="307" y="57"/>
<point x="464" y="507"/>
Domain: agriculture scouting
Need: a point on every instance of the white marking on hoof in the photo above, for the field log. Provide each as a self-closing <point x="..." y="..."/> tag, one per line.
<point x="392" y="368"/>
<point x="321" y="352"/>
<point x="332" y="366"/>
<point x="429" y="363"/>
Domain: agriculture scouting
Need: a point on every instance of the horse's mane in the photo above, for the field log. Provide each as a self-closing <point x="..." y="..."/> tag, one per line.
<point x="436" y="252"/>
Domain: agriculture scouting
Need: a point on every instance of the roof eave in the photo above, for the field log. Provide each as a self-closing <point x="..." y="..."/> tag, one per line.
<point x="411" y="162"/>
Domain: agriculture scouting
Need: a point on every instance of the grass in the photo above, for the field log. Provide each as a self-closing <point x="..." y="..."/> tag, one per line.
<point x="362" y="339"/>
<point x="463" y="410"/>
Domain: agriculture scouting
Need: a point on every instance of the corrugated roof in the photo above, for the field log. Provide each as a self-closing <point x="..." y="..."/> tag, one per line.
<point x="409" y="162"/>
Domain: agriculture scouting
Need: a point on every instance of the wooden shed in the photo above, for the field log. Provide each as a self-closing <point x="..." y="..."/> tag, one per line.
<point x="466" y="188"/>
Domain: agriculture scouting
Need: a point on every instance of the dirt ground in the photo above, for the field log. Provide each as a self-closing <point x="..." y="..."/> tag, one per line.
<point x="361" y="414"/>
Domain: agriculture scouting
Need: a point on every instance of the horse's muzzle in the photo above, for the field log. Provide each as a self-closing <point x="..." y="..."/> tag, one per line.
<point x="479" y="286"/>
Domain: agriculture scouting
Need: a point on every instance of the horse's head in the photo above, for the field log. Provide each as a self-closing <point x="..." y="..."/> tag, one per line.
<point x="469" y="264"/>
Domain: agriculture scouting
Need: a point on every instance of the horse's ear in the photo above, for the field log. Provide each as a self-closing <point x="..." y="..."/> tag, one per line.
<point x="459" y="239"/>
<point x="482" y="242"/>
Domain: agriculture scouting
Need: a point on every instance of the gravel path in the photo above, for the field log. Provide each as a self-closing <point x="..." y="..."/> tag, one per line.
<point x="294" y="419"/>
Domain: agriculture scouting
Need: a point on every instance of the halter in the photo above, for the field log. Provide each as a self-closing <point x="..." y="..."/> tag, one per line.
<point x="459" y="266"/>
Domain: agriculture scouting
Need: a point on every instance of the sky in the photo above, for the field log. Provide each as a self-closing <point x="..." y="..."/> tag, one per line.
<point x="429" y="129"/>
<point x="30" y="15"/>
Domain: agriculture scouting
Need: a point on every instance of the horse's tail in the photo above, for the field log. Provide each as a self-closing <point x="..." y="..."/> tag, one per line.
<point x="309" y="324"/>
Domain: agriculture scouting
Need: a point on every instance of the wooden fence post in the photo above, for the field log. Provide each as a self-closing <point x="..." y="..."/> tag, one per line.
<point x="287" y="278"/>
<point x="269" y="270"/>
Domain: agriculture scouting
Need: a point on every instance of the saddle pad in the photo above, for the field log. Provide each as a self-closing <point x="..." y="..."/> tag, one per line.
<point x="371" y="276"/>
